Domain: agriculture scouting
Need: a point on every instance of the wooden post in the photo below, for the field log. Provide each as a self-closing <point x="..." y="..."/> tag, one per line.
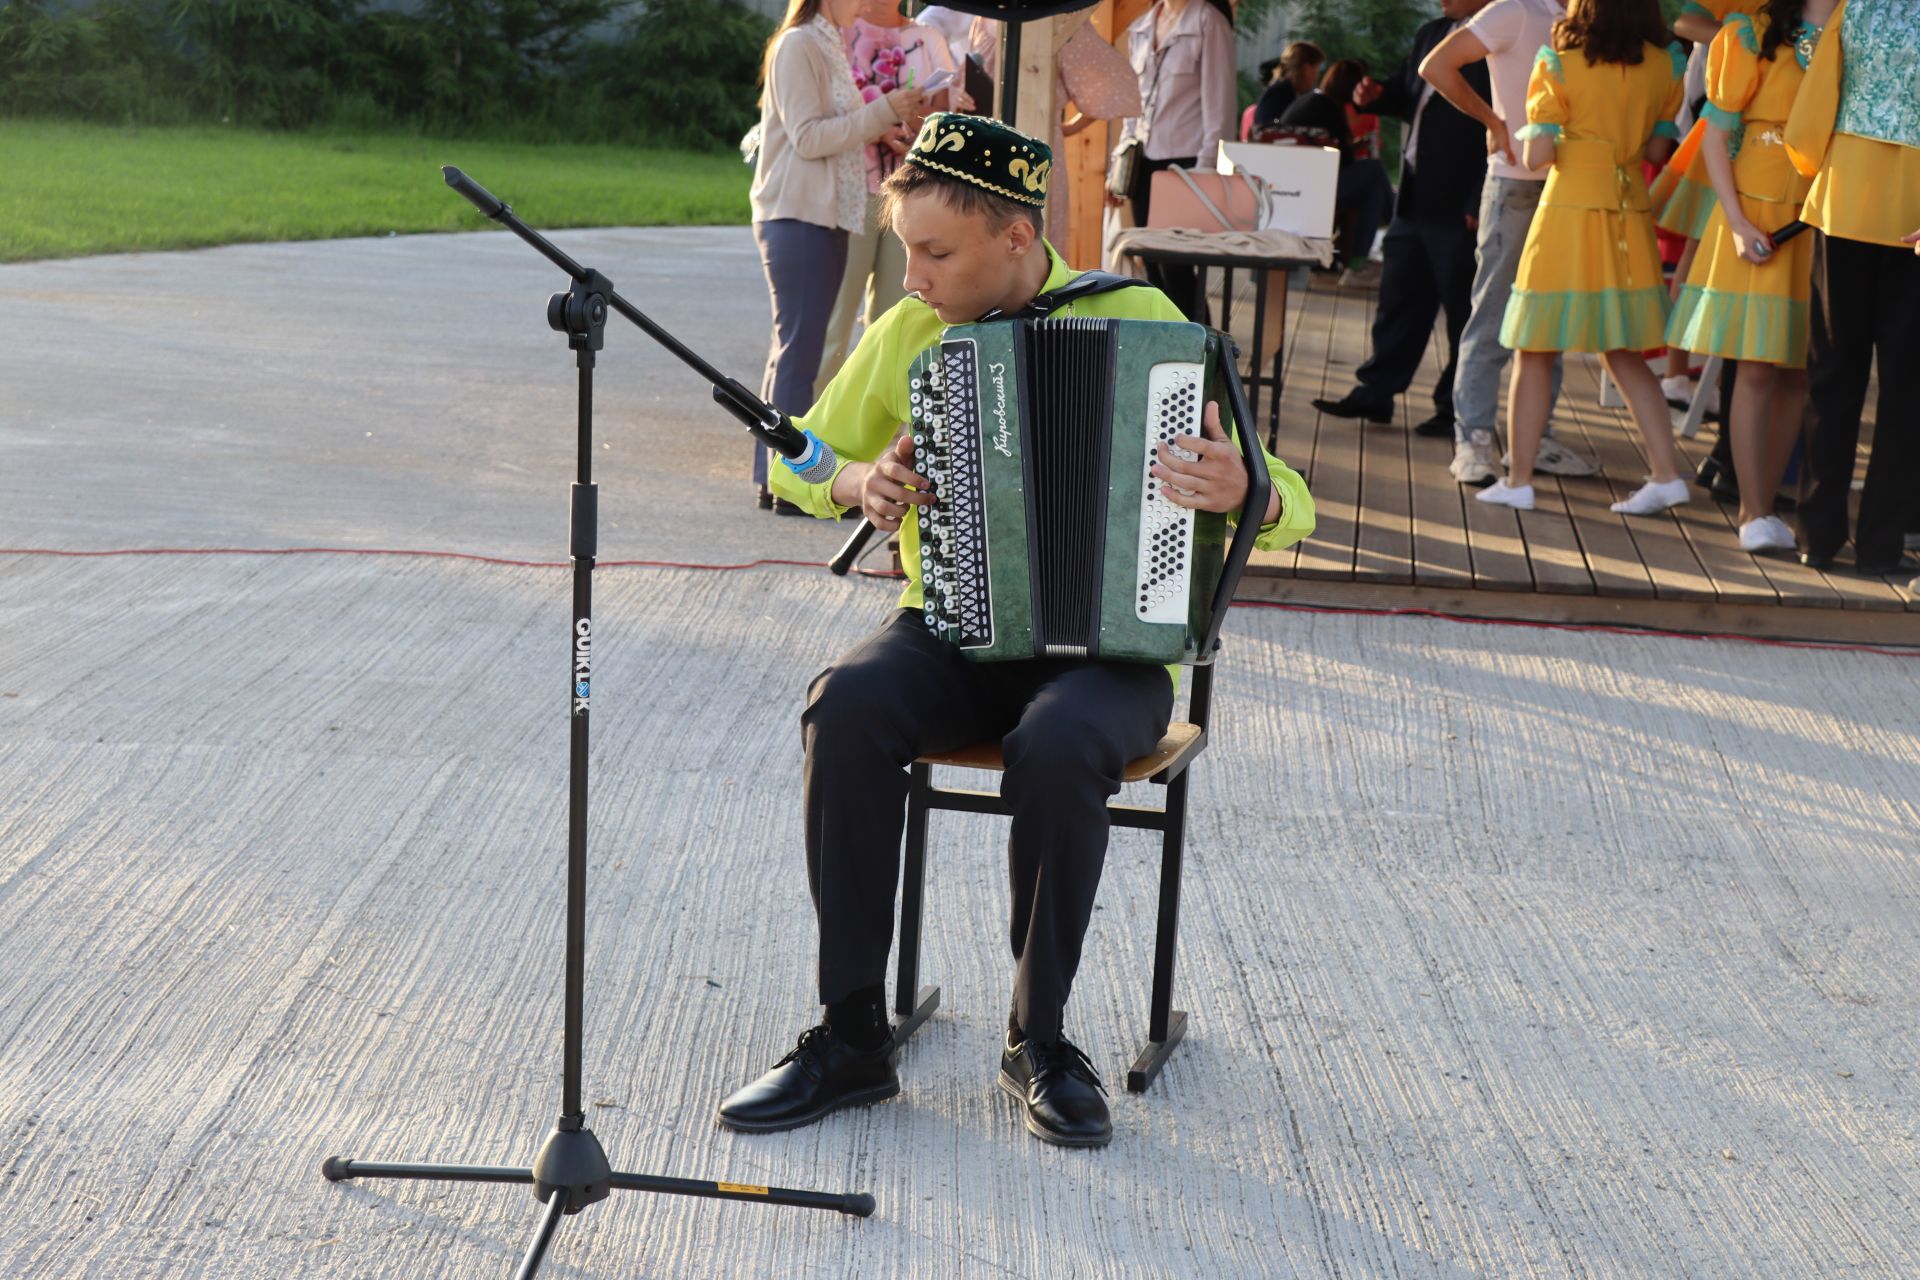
<point x="1038" y="106"/>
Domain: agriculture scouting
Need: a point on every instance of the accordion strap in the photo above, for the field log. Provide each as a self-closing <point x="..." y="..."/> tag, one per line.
<point x="1084" y="285"/>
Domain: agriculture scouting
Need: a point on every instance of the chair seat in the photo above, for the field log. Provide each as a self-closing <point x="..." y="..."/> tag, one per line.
<point x="1180" y="743"/>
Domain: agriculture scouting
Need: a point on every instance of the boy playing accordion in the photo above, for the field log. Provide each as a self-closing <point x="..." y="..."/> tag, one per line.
<point x="967" y="206"/>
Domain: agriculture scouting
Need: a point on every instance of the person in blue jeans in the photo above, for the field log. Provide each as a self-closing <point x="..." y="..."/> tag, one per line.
<point x="1506" y="34"/>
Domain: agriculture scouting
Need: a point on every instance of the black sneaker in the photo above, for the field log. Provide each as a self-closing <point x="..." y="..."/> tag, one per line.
<point x="1060" y="1091"/>
<point x="822" y="1074"/>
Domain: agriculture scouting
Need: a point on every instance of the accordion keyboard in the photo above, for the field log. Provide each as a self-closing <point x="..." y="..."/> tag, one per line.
<point x="946" y="443"/>
<point x="1174" y="405"/>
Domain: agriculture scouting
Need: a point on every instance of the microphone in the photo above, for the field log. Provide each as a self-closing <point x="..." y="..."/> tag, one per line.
<point x="817" y="464"/>
<point x="1787" y="232"/>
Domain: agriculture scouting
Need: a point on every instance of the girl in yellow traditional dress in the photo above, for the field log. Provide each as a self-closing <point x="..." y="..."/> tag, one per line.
<point x="1743" y="299"/>
<point x="1682" y="193"/>
<point x="1602" y="95"/>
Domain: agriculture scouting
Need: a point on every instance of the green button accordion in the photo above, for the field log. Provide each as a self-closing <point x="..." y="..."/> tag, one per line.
<point x="1050" y="537"/>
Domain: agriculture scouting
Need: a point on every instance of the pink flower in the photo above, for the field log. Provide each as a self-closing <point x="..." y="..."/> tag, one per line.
<point x="868" y="93"/>
<point x="887" y="85"/>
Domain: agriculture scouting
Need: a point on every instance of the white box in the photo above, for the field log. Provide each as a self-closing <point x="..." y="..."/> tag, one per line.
<point x="1302" y="182"/>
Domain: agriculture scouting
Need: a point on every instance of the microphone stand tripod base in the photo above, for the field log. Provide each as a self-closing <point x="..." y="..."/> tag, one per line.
<point x="571" y="1171"/>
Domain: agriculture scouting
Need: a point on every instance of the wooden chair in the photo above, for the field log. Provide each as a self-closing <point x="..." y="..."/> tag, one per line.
<point x="1167" y="766"/>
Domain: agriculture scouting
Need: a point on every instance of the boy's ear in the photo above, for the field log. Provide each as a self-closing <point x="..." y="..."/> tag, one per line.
<point x="1021" y="235"/>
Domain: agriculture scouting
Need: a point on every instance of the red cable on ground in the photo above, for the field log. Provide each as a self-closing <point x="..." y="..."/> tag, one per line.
<point x="1403" y="612"/>
<point x="424" y="554"/>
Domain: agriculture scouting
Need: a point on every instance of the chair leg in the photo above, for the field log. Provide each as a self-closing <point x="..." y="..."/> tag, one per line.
<point x="1165" y="1024"/>
<point x="912" y="1006"/>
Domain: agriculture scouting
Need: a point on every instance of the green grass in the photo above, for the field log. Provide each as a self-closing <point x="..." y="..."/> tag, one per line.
<point x="68" y="189"/>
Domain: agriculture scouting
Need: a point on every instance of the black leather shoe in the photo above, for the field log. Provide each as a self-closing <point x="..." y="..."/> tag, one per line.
<point x="822" y="1074"/>
<point x="1719" y="482"/>
<point x="1440" y="424"/>
<point x="1822" y="560"/>
<point x="1900" y="563"/>
<point x="1062" y="1095"/>
<point x="1355" y="405"/>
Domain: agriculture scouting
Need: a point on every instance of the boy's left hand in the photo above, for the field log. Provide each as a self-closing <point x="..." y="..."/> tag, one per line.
<point x="1214" y="480"/>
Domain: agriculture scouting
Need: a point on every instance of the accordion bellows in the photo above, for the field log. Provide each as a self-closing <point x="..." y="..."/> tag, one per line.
<point x="1050" y="536"/>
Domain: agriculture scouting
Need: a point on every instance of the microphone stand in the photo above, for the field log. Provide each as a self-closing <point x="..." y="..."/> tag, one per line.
<point x="571" y="1170"/>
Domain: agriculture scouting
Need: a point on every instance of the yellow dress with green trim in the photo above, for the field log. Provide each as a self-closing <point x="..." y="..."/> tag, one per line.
<point x="1590" y="276"/>
<point x="1682" y="193"/>
<point x="1731" y="307"/>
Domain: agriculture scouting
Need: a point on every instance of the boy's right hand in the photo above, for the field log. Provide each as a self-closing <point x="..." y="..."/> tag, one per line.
<point x="884" y="495"/>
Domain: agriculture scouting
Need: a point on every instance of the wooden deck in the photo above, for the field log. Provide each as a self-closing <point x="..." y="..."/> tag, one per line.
<point x="1395" y="530"/>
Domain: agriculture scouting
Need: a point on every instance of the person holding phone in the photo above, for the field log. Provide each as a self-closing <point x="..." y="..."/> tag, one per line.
<point x="886" y="51"/>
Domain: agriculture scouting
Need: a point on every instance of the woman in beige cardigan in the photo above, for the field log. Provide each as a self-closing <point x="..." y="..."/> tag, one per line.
<point x="810" y="188"/>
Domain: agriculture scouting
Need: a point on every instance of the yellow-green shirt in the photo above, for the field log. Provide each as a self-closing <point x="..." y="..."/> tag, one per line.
<point x="865" y="405"/>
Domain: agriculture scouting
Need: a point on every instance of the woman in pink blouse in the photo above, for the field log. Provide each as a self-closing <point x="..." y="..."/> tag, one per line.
<point x="885" y="51"/>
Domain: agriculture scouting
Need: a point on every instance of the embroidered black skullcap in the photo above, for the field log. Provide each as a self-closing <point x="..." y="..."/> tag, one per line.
<point x="986" y="153"/>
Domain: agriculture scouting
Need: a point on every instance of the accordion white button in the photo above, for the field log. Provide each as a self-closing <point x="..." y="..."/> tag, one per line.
<point x="1164" y="561"/>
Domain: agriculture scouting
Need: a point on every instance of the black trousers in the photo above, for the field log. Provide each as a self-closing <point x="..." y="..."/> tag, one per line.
<point x="1425" y="267"/>
<point x="1866" y="297"/>
<point x="1178" y="282"/>
<point x="1068" y="730"/>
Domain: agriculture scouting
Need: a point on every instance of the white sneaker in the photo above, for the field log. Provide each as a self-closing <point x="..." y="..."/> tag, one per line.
<point x="1556" y="459"/>
<point x="1361" y="275"/>
<point x="1678" y="390"/>
<point x="1768" y="533"/>
<point x="1473" y="459"/>
<point x="1502" y="494"/>
<point x="1653" y="497"/>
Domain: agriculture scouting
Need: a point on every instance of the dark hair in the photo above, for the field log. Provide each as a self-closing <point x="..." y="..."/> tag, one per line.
<point x="1615" y="31"/>
<point x="1342" y="78"/>
<point x="1783" y="16"/>
<point x="960" y="195"/>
